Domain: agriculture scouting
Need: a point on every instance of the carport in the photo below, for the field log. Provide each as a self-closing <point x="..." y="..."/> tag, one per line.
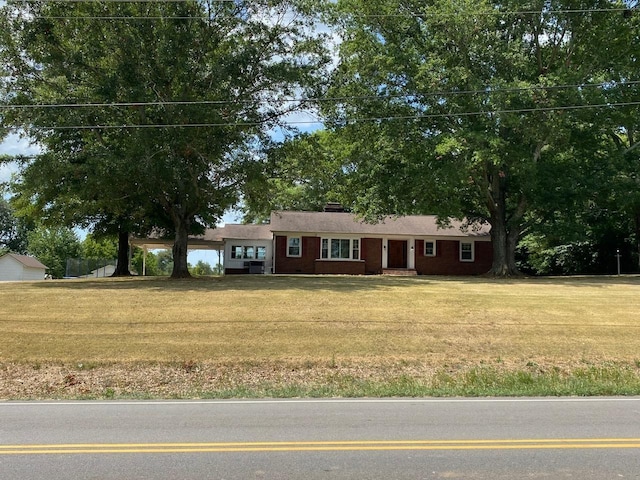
<point x="211" y="240"/>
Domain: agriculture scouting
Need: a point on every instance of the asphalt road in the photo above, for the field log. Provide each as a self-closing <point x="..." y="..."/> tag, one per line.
<point x="334" y="439"/>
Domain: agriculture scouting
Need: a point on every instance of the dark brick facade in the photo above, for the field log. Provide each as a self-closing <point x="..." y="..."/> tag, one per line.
<point x="303" y="264"/>
<point x="445" y="262"/>
<point x="447" y="259"/>
<point x="337" y="267"/>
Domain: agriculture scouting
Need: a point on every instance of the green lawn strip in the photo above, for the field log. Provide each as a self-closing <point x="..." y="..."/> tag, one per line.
<point x="192" y="381"/>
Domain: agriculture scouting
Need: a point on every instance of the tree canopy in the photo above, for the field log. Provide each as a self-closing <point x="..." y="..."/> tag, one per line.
<point x="53" y="247"/>
<point x="13" y="230"/>
<point x="470" y="109"/>
<point x="159" y="116"/>
<point x="150" y="113"/>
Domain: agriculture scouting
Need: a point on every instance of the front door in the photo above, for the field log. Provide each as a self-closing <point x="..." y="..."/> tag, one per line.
<point x="397" y="254"/>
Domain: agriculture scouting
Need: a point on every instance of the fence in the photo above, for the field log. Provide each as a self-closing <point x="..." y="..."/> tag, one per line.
<point x="90" y="267"/>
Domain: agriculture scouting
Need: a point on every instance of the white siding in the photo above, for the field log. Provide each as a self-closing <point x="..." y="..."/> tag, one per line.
<point x="12" y="270"/>
<point x="29" y="273"/>
<point x="239" y="262"/>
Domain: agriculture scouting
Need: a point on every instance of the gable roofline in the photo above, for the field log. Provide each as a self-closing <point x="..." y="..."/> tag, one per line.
<point x="26" y="260"/>
<point x="348" y="224"/>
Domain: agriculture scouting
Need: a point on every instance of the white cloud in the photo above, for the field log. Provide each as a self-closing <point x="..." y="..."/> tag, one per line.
<point x="14" y="144"/>
<point x="6" y="170"/>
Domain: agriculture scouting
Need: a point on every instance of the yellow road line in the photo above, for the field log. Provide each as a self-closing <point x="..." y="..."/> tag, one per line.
<point x="222" y="447"/>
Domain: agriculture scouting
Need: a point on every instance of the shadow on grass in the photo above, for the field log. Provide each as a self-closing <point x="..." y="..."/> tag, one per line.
<point x="332" y="283"/>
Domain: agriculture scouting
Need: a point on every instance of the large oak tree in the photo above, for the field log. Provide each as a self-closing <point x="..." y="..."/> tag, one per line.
<point x="464" y="108"/>
<point x="160" y="106"/>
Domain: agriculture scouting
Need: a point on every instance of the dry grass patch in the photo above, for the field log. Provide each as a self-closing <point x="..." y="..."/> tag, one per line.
<point x="430" y="323"/>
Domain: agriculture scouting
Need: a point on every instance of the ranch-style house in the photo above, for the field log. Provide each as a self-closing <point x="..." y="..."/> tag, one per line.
<point x="337" y="242"/>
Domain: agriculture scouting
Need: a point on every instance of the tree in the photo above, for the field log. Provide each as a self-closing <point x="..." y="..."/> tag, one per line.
<point x="462" y="109"/>
<point x="53" y="246"/>
<point x="147" y="264"/>
<point x="13" y="230"/>
<point x="623" y="131"/>
<point x="579" y="227"/>
<point x="202" y="268"/>
<point x="172" y="100"/>
<point x="302" y="173"/>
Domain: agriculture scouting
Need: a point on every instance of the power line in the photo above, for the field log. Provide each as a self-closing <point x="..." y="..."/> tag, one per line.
<point x="345" y="121"/>
<point x="410" y="97"/>
<point x="115" y="1"/>
<point x="359" y="15"/>
<point x="491" y="13"/>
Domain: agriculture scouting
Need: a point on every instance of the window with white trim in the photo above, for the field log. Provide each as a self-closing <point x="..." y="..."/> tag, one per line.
<point x="429" y="248"/>
<point x="236" y="251"/>
<point x="467" y="252"/>
<point x="340" y="249"/>
<point x="294" y="246"/>
<point x="261" y="253"/>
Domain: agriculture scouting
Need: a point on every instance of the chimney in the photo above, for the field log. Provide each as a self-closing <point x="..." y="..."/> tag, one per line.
<point x="333" y="207"/>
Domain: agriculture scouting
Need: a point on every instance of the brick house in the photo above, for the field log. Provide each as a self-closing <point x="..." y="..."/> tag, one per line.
<point x="338" y="243"/>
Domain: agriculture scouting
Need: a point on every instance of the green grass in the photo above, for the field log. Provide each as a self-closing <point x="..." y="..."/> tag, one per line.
<point x="320" y="336"/>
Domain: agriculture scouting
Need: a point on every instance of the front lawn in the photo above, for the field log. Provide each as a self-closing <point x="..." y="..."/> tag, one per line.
<point x="304" y="334"/>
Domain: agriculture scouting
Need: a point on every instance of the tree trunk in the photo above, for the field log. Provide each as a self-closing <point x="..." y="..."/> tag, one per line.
<point x="637" y="219"/>
<point x="504" y="242"/>
<point x="122" y="265"/>
<point x="180" y="249"/>
<point x="505" y="228"/>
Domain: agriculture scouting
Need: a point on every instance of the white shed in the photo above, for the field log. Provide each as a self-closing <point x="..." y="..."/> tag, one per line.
<point x="15" y="267"/>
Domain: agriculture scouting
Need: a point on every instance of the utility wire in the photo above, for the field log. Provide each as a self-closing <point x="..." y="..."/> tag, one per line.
<point x="114" y="1"/>
<point x="346" y="121"/>
<point x="374" y="16"/>
<point x="358" y="15"/>
<point x="410" y="97"/>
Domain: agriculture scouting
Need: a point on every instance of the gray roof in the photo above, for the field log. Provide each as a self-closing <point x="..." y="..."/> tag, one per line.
<point x="249" y="232"/>
<point x="26" y="260"/>
<point x="347" y="223"/>
<point x="239" y="232"/>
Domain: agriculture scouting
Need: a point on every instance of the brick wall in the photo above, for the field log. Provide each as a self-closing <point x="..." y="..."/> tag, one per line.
<point x="447" y="259"/>
<point x="338" y="267"/>
<point x="303" y="264"/>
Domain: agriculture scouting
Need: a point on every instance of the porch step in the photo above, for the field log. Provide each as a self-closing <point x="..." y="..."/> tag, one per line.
<point x="406" y="272"/>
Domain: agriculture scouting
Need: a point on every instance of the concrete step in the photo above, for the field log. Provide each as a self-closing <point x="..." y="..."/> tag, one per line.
<point x="406" y="272"/>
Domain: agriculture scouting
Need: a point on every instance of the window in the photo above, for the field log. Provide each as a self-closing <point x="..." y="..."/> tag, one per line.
<point x="294" y="247"/>
<point x="429" y="248"/>
<point x="340" y="249"/>
<point x="466" y="251"/>
<point x="248" y="252"/>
